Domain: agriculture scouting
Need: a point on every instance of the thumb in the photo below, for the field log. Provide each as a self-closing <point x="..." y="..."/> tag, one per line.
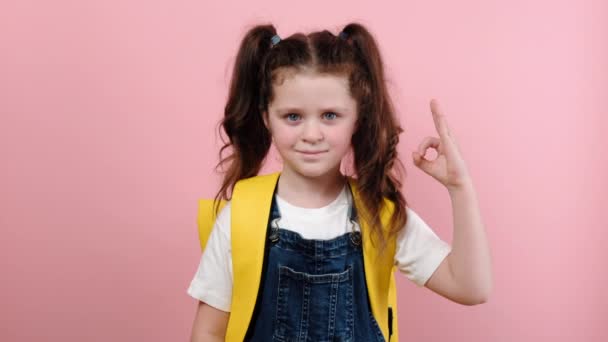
<point x="419" y="161"/>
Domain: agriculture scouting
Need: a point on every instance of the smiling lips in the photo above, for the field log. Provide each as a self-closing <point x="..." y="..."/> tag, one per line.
<point x="311" y="152"/>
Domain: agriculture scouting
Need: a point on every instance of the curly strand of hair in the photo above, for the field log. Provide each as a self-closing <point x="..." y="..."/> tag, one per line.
<point x="248" y="139"/>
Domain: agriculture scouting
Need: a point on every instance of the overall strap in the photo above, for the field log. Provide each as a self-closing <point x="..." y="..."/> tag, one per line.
<point x="250" y="207"/>
<point x="379" y="269"/>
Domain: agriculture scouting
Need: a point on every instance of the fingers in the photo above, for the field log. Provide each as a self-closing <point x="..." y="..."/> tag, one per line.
<point x="441" y="124"/>
<point x="426" y="143"/>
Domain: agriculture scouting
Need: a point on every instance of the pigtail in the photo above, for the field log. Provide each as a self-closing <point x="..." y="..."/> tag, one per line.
<point x="379" y="169"/>
<point x="248" y="139"/>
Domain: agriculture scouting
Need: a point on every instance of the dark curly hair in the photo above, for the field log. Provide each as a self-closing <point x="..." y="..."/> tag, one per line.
<point x="354" y="54"/>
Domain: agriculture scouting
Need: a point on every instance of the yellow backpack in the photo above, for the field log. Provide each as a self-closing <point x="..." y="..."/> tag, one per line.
<point x="250" y="207"/>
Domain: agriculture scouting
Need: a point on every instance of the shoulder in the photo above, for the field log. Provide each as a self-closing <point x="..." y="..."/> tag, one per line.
<point x="416" y="231"/>
<point x="222" y="222"/>
<point x="419" y="249"/>
<point x="413" y="219"/>
<point x="257" y="180"/>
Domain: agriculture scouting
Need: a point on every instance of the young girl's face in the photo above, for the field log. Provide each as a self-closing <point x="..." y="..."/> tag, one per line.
<point x="312" y="119"/>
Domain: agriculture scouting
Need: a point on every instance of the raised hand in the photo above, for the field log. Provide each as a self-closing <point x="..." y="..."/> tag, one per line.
<point x="448" y="168"/>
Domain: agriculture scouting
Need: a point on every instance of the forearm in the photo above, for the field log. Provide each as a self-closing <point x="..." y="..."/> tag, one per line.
<point x="470" y="259"/>
<point x="204" y="337"/>
<point x="209" y="324"/>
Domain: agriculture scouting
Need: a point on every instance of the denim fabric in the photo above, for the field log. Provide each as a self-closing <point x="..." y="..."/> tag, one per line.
<point x="312" y="290"/>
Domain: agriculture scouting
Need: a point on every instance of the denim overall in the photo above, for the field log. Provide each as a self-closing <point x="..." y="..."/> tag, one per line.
<point x="312" y="290"/>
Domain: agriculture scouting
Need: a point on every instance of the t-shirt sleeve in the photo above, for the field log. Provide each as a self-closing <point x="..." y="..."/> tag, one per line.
<point x="212" y="282"/>
<point x="419" y="250"/>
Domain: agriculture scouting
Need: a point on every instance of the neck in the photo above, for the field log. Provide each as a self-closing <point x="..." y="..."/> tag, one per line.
<point x="310" y="192"/>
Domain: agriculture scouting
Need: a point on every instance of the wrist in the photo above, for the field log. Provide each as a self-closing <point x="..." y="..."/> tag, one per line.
<point x="463" y="187"/>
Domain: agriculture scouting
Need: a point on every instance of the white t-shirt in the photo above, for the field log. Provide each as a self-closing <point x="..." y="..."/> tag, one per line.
<point x="419" y="251"/>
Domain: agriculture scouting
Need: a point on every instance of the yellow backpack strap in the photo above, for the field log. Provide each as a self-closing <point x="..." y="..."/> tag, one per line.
<point x="250" y="208"/>
<point x="392" y="304"/>
<point x="205" y="219"/>
<point x="378" y="269"/>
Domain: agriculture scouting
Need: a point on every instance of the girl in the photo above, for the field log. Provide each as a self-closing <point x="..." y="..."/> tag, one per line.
<point x="316" y="97"/>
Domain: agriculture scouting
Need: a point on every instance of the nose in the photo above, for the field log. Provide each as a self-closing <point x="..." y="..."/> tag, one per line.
<point x="312" y="132"/>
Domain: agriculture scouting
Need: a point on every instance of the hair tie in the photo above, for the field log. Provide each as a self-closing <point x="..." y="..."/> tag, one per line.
<point x="343" y="35"/>
<point x="275" y="39"/>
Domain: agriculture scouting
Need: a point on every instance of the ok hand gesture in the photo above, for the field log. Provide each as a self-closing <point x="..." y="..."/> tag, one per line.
<point x="448" y="168"/>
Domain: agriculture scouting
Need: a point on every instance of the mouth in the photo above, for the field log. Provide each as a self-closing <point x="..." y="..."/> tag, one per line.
<point x="311" y="153"/>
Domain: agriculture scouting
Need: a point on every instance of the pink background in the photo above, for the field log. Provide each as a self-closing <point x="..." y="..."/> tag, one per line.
<point x="107" y="140"/>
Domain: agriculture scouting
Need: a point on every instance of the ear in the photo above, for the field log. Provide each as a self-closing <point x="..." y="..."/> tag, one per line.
<point x="265" y="118"/>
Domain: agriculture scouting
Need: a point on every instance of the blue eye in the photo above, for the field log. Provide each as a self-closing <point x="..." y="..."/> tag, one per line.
<point x="291" y="115"/>
<point x="334" y="115"/>
<point x="294" y="116"/>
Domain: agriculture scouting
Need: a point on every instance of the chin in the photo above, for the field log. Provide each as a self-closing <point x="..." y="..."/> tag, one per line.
<point x="311" y="171"/>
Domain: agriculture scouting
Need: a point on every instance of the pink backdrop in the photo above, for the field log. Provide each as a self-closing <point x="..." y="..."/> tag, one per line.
<point x="107" y="140"/>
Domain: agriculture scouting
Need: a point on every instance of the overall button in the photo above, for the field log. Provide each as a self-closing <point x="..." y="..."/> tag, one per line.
<point x="274" y="234"/>
<point x="355" y="238"/>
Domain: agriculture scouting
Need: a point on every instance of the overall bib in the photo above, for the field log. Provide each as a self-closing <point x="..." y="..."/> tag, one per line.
<point x="312" y="290"/>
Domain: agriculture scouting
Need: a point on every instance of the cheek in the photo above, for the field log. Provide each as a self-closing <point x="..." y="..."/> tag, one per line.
<point x="341" y="146"/>
<point x="341" y="137"/>
<point x="337" y="137"/>
<point x="284" y="139"/>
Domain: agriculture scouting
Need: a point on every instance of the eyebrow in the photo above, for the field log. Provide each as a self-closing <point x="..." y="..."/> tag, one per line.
<point x="327" y="109"/>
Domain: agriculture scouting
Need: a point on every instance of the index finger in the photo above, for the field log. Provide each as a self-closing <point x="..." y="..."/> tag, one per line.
<point x="440" y="122"/>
